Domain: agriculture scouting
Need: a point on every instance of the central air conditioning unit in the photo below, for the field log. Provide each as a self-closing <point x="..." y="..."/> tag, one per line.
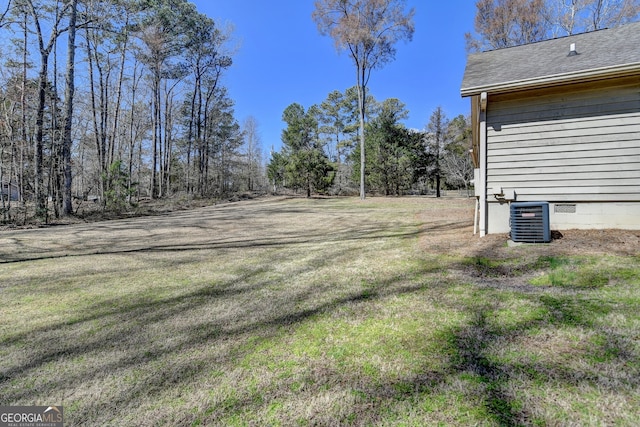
<point x="530" y="222"/>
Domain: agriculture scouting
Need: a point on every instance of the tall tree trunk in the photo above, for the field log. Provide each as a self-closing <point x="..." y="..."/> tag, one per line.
<point x="156" y="133"/>
<point x="361" y="106"/>
<point x="168" y="138"/>
<point x="204" y="162"/>
<point x="94" y="111"/>
<point x="55" y="151"/>
<point x="40" y="196"/>
<point x="3" y="204"/>
<point x="116" y="113"/>
<point x="201" y="120"/>
<point x="13" y="169"/>
<point x="67" y="208"/>
<point x="190" y="132"/>
<point x="23" y="113"/>
<point x="38" y="156"/>
<point x="134" y="88"/>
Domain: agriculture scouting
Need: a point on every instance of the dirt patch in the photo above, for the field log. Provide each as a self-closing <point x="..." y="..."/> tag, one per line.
<point x="451" y="231"/>
<point x="589" y="242"/>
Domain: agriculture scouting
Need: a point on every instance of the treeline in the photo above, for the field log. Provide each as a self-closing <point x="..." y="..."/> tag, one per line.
<point x="321" y="153"/>
<point x="117" y="100"/>
<point x="505" y="23"/>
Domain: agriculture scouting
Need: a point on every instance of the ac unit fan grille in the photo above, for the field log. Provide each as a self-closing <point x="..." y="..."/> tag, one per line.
<point x="530" y="222"/>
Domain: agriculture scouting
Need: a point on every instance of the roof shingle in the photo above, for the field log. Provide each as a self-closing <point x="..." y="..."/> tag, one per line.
<point x="603" y="49"/>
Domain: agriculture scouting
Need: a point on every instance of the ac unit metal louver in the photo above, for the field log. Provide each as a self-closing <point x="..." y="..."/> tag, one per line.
<point x="530" y="222"/>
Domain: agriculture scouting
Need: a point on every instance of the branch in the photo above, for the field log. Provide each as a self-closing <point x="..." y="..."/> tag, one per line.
<point x="4" y="14"/>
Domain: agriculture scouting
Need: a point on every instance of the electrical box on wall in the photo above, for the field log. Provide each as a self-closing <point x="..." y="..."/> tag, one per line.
<point x="509" y="194"/>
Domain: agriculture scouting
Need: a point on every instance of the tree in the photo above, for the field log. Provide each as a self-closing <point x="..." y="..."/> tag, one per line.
<point x="368" y="30"/>
<point x="38" y="14"/>
<point x="611" y="13"/>
<point x="352" y="116"/>
<point x="108" y="48"/>
<point x="276" y="170"/>
<point x="391" y="150"/>
<point x="564" y="15"/>
<point x="457" y="164"/>
<point x="206" y="58"/>
<point x="308" y="167"/>
<point x="164" y="35"/>
<point x="4" y="14"/>
<point x="253" y="152"/>
<point x="224" y="133"/>
<point x="437" y="139"/>
<point x="339" y="125"/>
<point x="19" y="93"/>
<point x="68" y="118"/>
<point x="333" y="122"/>
<point x="119" y="190"/>
<point x="61" y="141"/>
<point x="504" y="23"/>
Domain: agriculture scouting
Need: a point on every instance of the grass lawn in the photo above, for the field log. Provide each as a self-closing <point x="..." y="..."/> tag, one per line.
<point x="315" y="312"/>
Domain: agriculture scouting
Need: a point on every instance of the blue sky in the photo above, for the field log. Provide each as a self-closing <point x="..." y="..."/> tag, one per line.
<point x="281" y="59"/>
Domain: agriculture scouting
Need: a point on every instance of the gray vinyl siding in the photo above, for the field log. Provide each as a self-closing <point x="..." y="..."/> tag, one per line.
<point x="566" y="146"/>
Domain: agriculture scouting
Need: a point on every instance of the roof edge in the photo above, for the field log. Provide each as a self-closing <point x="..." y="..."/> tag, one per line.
<point x="554" y="80"/>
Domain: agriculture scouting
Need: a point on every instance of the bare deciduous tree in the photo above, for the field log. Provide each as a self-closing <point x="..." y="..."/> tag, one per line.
<point x="368" y="30"/>
<point x="4" y="14"/>
<point x="457" y="163"/>
<point x="253" y="152"/>
<point x="564" y="16"/>
<point x="611" y="13"/>
<point x="504" y="23"/>
<point x="45" y="48"/>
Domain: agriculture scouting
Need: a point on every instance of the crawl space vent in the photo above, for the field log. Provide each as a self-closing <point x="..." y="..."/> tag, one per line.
<point x="564" y="208"/>
<point x="530" y="222"/>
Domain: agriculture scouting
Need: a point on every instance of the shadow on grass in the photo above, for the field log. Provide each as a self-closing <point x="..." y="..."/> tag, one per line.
<point x="205" y="229"/>
<point x="473" y="346"/>
<point x="108" y="247"/>
<point x="124" y="337"/>
<point x="493" y="383"/>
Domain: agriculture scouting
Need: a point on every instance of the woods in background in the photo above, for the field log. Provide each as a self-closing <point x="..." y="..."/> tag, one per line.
<point x="321" y="149"/>
<point x="505" y="23"/>
<point x="116" y="100"/>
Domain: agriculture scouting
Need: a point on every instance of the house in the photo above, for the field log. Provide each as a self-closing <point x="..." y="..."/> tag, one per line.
<point x="559" y="121"/>
<point x="9" y="191"/>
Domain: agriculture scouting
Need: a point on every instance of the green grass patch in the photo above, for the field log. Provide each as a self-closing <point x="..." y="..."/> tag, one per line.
<point x="585" y="272"/>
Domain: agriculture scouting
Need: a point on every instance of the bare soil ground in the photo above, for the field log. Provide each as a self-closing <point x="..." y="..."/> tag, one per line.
<point x="449" y="229"/>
